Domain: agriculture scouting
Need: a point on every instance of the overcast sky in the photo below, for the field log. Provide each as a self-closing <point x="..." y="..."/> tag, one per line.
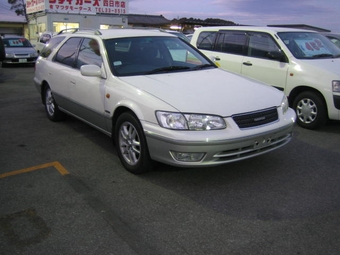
<point x="319" y="13"/>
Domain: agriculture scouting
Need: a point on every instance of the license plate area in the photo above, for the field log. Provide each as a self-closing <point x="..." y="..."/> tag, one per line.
<point x="262" y="142"/>
<point x="22" y="60"/>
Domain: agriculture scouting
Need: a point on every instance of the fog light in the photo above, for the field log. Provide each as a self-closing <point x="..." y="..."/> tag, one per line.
<point x="187" y="156"/>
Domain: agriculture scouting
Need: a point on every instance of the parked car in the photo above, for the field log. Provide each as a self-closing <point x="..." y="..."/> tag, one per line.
<point x="18" y="50"/>
<point x="335" y="38"/>
<point x="160" y="99"/>
<point x="43" y="39"/>
<point x="2" y="50"/>
<point x="189" y="36"/>
<point x="302" y="63"/>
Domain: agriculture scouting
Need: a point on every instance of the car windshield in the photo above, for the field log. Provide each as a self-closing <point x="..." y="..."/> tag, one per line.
<point x="309" y="45"/>
<point x="16" y="42"/>
<point x="153" y="55"/>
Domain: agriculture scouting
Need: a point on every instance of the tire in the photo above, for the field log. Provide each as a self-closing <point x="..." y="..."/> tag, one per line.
<point x="51" y="107"/>
<point x="310" y="109"/>
<point x="131" y="144"/>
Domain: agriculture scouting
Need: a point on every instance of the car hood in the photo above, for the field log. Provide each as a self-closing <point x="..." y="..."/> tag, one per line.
<point x="211" y="91"/>
<point x="325" y="65"/>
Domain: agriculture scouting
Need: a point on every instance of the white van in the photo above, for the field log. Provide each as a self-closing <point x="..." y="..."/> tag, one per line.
<point x="43" y="39"/>
<point x="302" y="63"/>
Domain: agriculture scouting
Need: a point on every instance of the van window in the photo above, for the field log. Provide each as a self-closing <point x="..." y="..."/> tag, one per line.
<point x="206" y="40"/>
<point x="260" y="44"/>
<point x="232" y="42"/>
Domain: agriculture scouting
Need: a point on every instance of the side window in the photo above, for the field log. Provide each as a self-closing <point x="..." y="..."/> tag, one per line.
<point x="260" y="44"/>
<point x="67" y="53"/>
<point x="336" y="41"/>
<point x="89" y="53"/>
<point x="52" y="44"/>
<point x="206" y="40"/>
<point x="232" y="42"/>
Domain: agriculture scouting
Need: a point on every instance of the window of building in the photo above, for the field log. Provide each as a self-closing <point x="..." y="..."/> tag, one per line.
<point x="58" y="26"/>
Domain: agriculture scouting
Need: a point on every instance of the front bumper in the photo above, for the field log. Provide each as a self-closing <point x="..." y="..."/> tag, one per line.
<point x="217" y="152"/>
<point x="28" y="60"/>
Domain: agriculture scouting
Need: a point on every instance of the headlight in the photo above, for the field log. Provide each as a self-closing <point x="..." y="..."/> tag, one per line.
<point x="9" y="55"/>
<point x="33" y="55"/>
<point x="178" y="121"/>
<point x="336" y="86"/>
<point x="284" y="105"/>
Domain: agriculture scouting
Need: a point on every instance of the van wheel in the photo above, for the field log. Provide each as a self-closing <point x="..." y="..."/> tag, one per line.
<point x="51" y="107"/>
<point x="131" y="144"/>
<point x="310" y="109"/>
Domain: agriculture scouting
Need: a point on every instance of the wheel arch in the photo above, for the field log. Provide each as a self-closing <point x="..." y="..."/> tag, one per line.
<point x="44" y="85"/>
<point x="119" y="111"/>
<point x="297" y="90"/>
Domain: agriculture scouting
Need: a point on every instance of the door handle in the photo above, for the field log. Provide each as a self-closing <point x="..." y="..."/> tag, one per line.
<point x="247" y="63"/>
<point x="217" y="59"/>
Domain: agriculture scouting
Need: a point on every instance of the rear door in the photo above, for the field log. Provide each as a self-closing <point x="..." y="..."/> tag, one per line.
<point x="229" y="50"/>
<point x="61" y="72"/>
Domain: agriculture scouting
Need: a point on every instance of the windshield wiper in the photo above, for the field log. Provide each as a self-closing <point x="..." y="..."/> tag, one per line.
<point x="322" y="55"/>
<point x="168" y="69"/>
<point x="202" y="66"/>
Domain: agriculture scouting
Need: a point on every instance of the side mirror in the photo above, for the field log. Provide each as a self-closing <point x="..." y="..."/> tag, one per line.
<point x="91" y="70"/>
<point x="276" y="55"/>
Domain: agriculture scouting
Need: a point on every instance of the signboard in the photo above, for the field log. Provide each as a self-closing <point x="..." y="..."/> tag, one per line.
<point x="33" y="6"/>
<point x="78" y="6"/>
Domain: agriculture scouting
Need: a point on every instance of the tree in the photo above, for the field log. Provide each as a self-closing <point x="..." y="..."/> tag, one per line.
<point x="18" y="6"/>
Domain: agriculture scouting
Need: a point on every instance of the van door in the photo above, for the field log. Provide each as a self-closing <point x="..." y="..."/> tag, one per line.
<point x="229" y="50"/>
<point x="265" y="61"/>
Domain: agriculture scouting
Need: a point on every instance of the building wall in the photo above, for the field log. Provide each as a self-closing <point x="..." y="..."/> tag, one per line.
<point x="54" y="22"/>
<point x="12" y="29"/>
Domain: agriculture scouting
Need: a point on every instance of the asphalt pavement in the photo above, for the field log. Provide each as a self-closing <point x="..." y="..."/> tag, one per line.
<point x="64" y="191"/>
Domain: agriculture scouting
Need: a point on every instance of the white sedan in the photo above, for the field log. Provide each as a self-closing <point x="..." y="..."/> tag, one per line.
<point x="160" y="99"/>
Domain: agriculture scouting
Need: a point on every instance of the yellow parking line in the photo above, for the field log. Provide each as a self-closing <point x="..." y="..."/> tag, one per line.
<point x="55" y="164"/>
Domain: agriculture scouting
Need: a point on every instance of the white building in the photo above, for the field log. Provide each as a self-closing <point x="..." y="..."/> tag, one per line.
<point x="56" y="15"/>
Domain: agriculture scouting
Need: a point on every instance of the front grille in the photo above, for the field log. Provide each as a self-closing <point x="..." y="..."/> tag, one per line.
<point x="254" y="119"/>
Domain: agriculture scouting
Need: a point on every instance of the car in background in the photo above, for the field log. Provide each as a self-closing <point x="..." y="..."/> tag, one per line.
<point x="18" y="50"/>
<point x="189" y="36"/>
<point x="302" y="63"/>
<point x="2" y="50"/>
<point x="335" y="38"/>
<point x="159" y="99"/>
<point x="43" y="39"/>
<point x="178" y="34"/>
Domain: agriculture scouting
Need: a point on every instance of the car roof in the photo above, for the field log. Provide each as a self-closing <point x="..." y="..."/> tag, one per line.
<point x="118" y="33"/>
<point x="255" y="28"/>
